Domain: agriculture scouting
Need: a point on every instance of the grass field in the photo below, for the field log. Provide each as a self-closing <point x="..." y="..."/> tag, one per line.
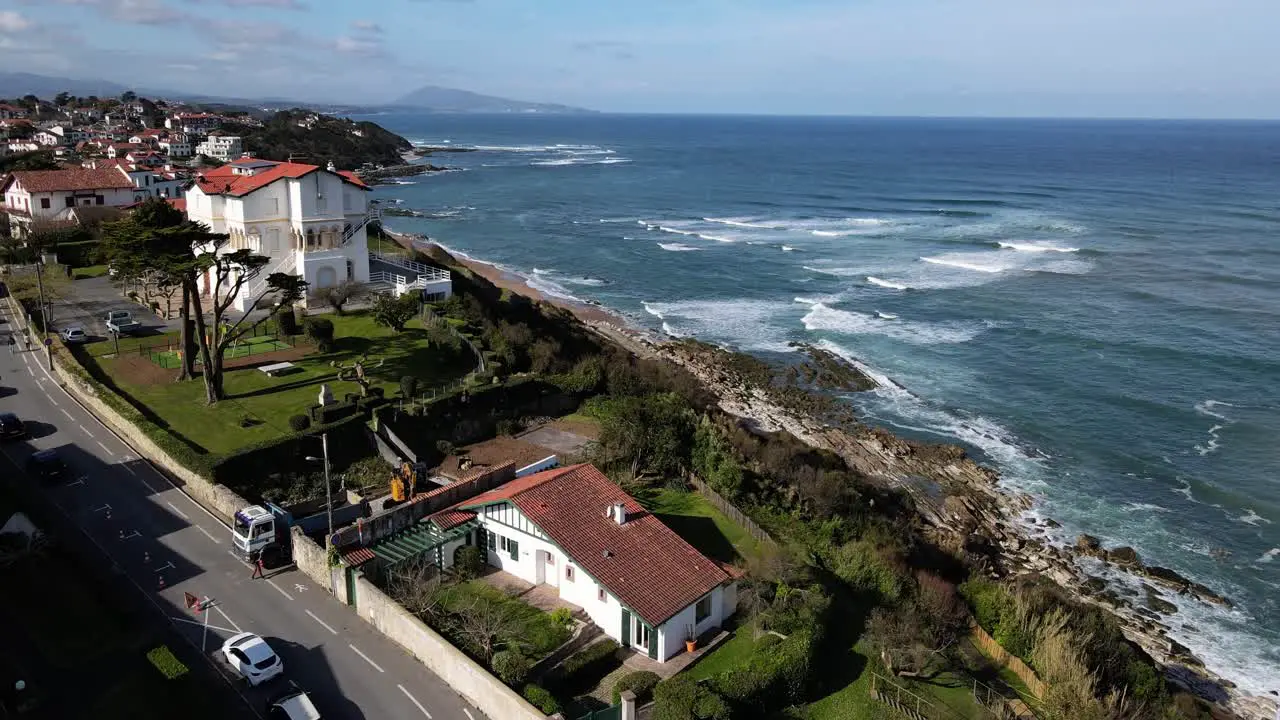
<point x="269" y="401"/>
<point x="91" y="271"/>
<point x="701" y="525"/>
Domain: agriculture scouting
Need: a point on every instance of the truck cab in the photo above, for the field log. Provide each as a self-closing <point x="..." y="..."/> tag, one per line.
<point x="254" y="531"/>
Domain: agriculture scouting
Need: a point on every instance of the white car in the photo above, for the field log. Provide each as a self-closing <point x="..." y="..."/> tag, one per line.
<point x="292" y="705"/>
<point x="253" y="658"/>
<point x="74" y="335"/>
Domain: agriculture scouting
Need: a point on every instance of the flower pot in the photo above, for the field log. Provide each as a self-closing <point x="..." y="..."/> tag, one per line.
<point x="690" y="645"/>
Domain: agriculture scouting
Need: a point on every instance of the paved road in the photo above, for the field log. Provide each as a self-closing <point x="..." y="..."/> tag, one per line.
<point x="168" y="545"/>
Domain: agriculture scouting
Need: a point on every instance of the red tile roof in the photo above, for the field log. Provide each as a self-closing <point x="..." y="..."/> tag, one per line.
<point x="358" y="556"/>
<point x="224" y="181"/>
<point x="72" y="179"/>
<point x="451" y="518"/>
<point x="642" y="562"/>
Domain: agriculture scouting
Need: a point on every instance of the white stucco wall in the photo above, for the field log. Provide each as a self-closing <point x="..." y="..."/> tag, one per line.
<point x="671" y="635"/>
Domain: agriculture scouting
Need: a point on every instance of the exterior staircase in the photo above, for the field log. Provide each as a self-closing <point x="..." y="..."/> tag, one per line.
<point x="258" y="285"/>
<point x="351" y="228"/>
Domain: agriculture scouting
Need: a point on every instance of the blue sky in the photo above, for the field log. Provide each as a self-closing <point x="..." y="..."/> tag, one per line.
<point x="1162" y="58"/>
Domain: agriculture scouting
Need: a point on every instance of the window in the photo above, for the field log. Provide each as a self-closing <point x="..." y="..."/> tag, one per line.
<point x="44" y="203"/>
<point x="98" y="200"/>
<point x="275" y="205"/>
<point x="600" y="594"/>
<point x="568" y="573"/>
<point x="702" y="610"/>
<point x="493" y="540"/>
<point x="514" y="548"/>
<point x="322" y="203"/>
<point x="71" y="201"/>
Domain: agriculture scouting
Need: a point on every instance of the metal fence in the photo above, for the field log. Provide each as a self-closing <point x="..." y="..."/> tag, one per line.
<point x="732" y="512"/>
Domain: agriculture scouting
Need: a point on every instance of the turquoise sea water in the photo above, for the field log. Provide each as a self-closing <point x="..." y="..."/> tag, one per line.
<point x="1093" y="307"/>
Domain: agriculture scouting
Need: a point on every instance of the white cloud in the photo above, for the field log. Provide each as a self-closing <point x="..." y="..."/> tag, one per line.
<point x="12" y="22"/>
<point x="368" y="26"/>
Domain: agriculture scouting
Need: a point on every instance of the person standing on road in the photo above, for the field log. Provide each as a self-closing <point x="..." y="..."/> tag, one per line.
<point x="257" y="568"/>
<point x="12" y="342"/>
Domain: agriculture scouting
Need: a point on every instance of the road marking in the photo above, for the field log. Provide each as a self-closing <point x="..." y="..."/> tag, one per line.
<point x="131" y="472"/>
<point x="414" y="700"/>
<point x="175" y="509"/>
<point x="55" y="402"/>
<point x="203" y="624"/>
<point x="209" y="535"/>
<point x="86" y="432"/>
<point x="69" y="415"/>
<point x="133" y="534"/>
<point x="79" y="481"/>
<point x="366" y="659"/>
<point x="227" y="618"/>
<point x="277" y="587"/>
<point x="107" y="508"/>
<point x="105" y="448"/>
<point x="299" y="587"/>
<point x="167" y="566"/>
<point x="322" y="623"/>
<point x="468" y="712"/>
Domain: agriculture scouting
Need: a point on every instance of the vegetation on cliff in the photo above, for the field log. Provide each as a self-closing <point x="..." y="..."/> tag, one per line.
<point x="320" y="139"/>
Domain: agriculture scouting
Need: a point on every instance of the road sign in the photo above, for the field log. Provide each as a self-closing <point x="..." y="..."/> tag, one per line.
<point x="48" y="342"/>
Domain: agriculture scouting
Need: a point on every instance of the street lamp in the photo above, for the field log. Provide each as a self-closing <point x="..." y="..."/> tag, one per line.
<point x="328" y="492"/>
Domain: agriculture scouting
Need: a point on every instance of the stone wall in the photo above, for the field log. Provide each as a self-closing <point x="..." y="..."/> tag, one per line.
<point x="463" y="674"/>
<point x="312" y="559"/>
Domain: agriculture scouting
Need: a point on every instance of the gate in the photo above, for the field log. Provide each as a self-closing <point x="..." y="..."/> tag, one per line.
<point x="613" y="712"/>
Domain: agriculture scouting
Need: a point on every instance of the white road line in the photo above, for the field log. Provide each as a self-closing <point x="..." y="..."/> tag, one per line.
<point x="105" y="449"/>
<point x="86" y="432"/>
<point x="227" y="618"/>
<point x="131" y="472"/>
<point x="366" y="659"/>
<point x="323" y="624"/>
<point x="55" y="402"/>
<point x="277" y="587"/>
<point x="468" y="712"/>
<point x="180" y="513"/>
<point x="414" y="700"/>
<point x="202" y="624"/>
<point x="209" y="535"/>
<point x="69" y="415"/>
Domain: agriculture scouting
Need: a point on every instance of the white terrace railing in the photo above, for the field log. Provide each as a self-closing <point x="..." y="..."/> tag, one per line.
<point x="400" y="283"/>
<point x="427" y="272"/>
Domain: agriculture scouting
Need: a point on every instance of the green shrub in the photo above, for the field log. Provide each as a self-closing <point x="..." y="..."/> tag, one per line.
<point x="287" y="321"/>
<point x="468" y="562"/>
<point x="320" y="331"/>
<point x="870" y="568"/>
<point x="987" y="599"/>
<point x="680" y="698"/>
<point x="641" y="682"/>
<point x="511" y="666"/>
<point x="164" y="661"/>
<point x="541" y="698"/>
<point x="507" y="426"/>
<point x="299" y="423"/>
<point x="774" y="676"/>
<point x="588" y="660"/>
<point x="409" y="386"/>
<point x="562" y="617"/>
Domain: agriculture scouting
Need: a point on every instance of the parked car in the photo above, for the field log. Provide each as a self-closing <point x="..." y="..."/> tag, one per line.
<point x="12" y="427"/>
<point x="73" y="335"/>
<point x="251" y="657"/>
<point x="293" y="704"/>
<point x="46" y="465"/>
<point x="121" y="322"/>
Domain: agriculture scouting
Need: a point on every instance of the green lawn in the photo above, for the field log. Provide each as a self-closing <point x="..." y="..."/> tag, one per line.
<point x="536" y="631"/>
<point x="701" y="525"/>
<point x="728" y="655"/>
<point x="132" y="344"/>
<point x="91" y="271"/>
<point x="269" y="402"/>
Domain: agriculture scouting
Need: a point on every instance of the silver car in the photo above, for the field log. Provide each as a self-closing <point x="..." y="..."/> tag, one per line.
<point x="73" y="335"/>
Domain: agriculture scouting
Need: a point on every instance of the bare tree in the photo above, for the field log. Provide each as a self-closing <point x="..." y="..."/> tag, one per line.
<point x="337" y="296"/>
<point x="487" y="626"/>
<point x="416" y="586"/>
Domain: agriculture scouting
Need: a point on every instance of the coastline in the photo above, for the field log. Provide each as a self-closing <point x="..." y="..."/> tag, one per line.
<point x="959" y="500"/>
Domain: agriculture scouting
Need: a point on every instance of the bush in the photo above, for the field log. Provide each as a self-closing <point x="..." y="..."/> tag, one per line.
<point x="511" y="666"/>
<point x="506" y="426"/>
<point x="542" y="699"/>
<point x="164" y="661"/>
<point x="773" y="677"/>
<point x="408" y="386"/>
<point x="393" y="312"/>
<point x="590" y="659"/>
<point x="870" y="568"/>
<point x="987" y="599"/>
<point x="680" y="698"/>
<point x="320" y="331"/>
<point x="562" y="617"/>
<point x="444" y="447"/>
<point x="468" y="562"/>
<point x="299" y="423"/>
<point x="641" y="682"/>
<point x="287" y="322"/>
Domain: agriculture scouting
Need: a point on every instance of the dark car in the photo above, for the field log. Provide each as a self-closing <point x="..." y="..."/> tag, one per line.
<point x="11" y="428"/>
<point x="46" y="465"/>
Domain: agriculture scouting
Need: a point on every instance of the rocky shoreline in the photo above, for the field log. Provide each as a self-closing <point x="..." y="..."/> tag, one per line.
<point x="965" y="509"/>
<point x="375" y="175"/>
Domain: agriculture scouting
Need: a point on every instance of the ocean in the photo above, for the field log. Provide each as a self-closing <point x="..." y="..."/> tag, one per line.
<point x="1093" y="307"/>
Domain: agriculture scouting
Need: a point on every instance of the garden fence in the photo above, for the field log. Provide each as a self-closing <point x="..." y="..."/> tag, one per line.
<point x="728" y="509"/>
<point x="908" y="702"/>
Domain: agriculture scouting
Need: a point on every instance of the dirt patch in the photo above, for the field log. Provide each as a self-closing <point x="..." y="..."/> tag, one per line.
<point x="296" y="352"/>
<point x="583" y="428"/>
<point x="561" y="440"/>
<point x="493" y="452"/>
<point x="135" y="369"/>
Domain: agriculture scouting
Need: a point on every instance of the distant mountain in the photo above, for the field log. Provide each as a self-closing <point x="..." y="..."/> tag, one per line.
<point x="449" y="100"/>
<point x="17" y="84"/>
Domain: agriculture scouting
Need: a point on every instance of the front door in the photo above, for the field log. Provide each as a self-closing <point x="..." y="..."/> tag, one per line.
<point x="551" y="572"/>
<point x="640" y="634"/>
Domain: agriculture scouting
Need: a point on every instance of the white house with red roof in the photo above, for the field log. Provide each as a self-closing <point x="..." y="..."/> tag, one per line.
<point x="10" y="112"/>
<point x="575" y="530"/>
<point x="32" y="196"/>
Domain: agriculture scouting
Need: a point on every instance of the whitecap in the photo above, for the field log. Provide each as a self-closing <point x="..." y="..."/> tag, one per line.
<point x="823" y="318"/>
<point x="1143" y="507"/>
<point x="1206" y="407"/>
<point x="1252" y="518"/>
<point x="741" y="222"/>
<point x="885" y="283"/>
<point x="977" y="262"/>
<point x="744" y="323"/>
<point x="886" y="316"/>
<point x="677" y="247"/>
<point x="788" y="248"/>
<point x="1269" y="555"/>
<point x="1036" y="247"/>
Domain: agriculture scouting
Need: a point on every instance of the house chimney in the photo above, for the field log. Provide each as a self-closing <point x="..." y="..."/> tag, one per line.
<point x="620" y="513"/>
<point x="330" y="167"/>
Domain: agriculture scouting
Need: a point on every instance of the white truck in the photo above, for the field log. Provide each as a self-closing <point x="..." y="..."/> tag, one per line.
<point x="263" y="530"/>
<point x="121" y="322"/>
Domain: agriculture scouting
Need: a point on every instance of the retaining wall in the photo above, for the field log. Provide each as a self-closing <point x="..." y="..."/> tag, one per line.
<point x="462" y="673"/>
<point x="312" y="559"/>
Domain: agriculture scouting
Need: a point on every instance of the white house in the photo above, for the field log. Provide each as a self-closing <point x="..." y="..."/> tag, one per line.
<point x="193" y="122"/>
<point x="175" y="148"/>
<point x="9" y="112"/>
<point x="573" y="529"/>
<point x="32" y="196"/>
<point x="21" y="146"/>
<point x="221" y="147"/>
<point x="69" y="135"/>
<point x="308" y="220"/>
<point x="47" y="138"/>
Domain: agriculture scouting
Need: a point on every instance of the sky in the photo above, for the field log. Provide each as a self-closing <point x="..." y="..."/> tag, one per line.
<point x="1061" y="58"/>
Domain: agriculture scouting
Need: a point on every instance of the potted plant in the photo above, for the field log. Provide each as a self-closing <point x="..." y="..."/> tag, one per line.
<point x="690" y="642"/>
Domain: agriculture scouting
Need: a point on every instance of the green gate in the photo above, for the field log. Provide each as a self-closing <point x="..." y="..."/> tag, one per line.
<point x="610" y="713"/>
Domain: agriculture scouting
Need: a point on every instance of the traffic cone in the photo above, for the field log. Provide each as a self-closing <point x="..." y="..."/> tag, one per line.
<point x="161" y="582"/>
<point x="146" y="557"/>
<point x="121" y="534"/>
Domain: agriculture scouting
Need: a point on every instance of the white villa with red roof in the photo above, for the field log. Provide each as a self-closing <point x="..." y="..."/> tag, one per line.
<point x="308" y="220"/>
<point x="575" y="530"/>
<point x="34" y="196"/>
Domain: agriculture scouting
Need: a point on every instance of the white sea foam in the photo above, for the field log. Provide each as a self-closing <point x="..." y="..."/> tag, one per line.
<point x="689" y="233"/>
<point x="823" y="318"/>
<point x="742" y="223"/>
<point x="977" y="262"/>
<point x="788" y="248"/>
<point x="836" y="271"/>
<point x="743" y="323"/>
<point x="1185" y="491"/>
<point x="1252" y="518"/>
<point x="1143" y="507"/>
<point x="579" y="161"/>
<point x="885" y="283"/>
<point x="1206" y="407"/>
<point x="1269" y="555"/>
<point x="886" y="316"/>
<point x="677" y="247"/>
<point x="1036" y="247"/>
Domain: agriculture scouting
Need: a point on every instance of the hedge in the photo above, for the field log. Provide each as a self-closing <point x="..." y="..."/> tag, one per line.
<point x="641" y="682"/>
<point x="773" y="677"/>
<point x="541" y="698"/>
<point x="277" y="453"/>
<point x="77" y="254"/>
<point x="591" y="659"/>
<point x="164" y="661"/>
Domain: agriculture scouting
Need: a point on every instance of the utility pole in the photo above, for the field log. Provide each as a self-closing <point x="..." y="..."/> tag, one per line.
<point x="328" y="489"/>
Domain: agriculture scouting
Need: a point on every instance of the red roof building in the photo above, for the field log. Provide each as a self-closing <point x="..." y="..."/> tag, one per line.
<point x="574" y="529"/>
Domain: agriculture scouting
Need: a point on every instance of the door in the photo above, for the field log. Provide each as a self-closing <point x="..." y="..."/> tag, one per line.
<point x="326" y="277"/>
<point x="273" y="242"/>
<point x="640" y="634"/>
<point x="551" y="572"/>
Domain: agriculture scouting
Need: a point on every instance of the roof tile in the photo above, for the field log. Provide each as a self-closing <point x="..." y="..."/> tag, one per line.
<point x="72" y="179"/>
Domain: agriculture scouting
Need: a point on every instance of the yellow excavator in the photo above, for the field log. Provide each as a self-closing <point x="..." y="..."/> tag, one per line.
<point x="403" y="481"/>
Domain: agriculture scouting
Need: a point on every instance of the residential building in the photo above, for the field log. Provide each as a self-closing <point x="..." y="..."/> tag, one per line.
<point x="310" y="221"/>
<point x="575" y="530"/>
<point x="21" y="146"/>
<point x="11" y="112"/>
<point x="150" y="136"/>
<point x="176" y="148"/>
<point x="119" y="150"/>
<point x="87" y="113"/>
<point x="148" y="182"/>
<point x="221" y="147"/>
<point x="33" y="196"/>
<point x="199" y="123"/>
<point x="47" y="138"/>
